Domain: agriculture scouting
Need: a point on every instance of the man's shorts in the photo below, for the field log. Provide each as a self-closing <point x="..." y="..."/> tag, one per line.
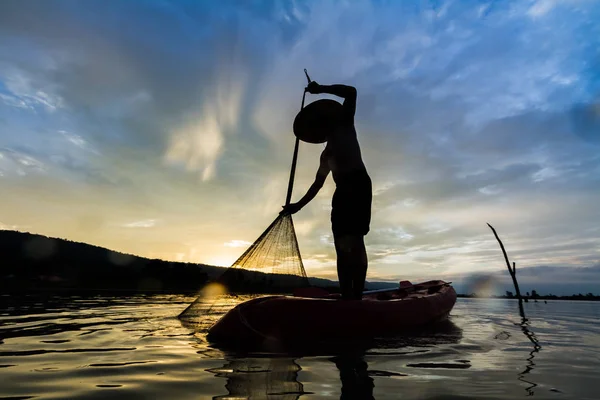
<point x="351" y="213"/>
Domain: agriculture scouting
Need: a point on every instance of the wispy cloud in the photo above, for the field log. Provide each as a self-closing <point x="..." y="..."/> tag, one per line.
<point x="199" y="143"/>
<point x="237" y="243"/>
<point x="8" y="227"/>
<point x="18" y="163"/>
<point x="24" y="92"/>
<point x="146" y="223"/>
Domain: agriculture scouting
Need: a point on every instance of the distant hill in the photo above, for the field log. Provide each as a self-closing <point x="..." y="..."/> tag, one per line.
<point x="30" y="261"/>
<point x="37" y="262"/>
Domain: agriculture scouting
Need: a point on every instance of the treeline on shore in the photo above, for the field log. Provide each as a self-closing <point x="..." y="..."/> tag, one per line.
<point x="534" y="296"/>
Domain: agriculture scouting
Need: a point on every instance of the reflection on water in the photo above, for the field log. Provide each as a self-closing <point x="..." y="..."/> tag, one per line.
<point x="536" y="348"/>
<point x="260" y="377"/>
<point x="354" y="375"/>
<point x="135" y="347"/>
<point x="277" y="375"/>
<point x="525" y="325"/>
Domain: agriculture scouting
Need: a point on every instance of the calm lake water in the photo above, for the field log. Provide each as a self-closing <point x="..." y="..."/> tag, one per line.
<point x="136" y="348"/>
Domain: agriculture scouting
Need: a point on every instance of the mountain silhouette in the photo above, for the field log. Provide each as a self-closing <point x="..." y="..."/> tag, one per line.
<point x="31" y="261"/>
<point x="36" y="262"/>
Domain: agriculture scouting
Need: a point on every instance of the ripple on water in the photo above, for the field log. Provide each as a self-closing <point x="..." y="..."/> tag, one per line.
<point x="134" y="347"/>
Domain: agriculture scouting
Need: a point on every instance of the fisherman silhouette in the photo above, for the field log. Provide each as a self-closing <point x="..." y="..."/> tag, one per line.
<point x="351" y="203"/>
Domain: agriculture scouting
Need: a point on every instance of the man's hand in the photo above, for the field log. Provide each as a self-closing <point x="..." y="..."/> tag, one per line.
<point x="313" y="88"/>
<point x="292" y="208"/>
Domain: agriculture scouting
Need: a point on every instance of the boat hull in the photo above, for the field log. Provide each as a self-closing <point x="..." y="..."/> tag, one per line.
<point x="289" y="319"/>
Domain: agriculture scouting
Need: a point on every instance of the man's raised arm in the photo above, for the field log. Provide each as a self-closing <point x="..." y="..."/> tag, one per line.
<point x="348" y="93"/>
<point x="344" y="91"/>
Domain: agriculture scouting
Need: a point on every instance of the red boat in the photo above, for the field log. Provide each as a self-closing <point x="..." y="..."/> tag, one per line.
<point x="294" y="319"/>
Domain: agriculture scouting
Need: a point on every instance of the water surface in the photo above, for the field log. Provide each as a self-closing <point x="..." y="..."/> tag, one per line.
<point x="135" y="348"/>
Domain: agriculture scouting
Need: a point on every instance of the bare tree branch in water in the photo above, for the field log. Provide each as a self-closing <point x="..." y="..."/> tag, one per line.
<point x="524" y="321"/>
<point x="513" y="273"/>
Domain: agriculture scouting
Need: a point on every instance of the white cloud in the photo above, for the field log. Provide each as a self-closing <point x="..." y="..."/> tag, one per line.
<point x="79" y="142"/>
<point x="145" y="223"/>
<point x="410" y="202"/>
<point x="6" y="227"/>
<point x="490" y="190"/>
<point x="541" y="7"/>
<point x="26" y="92"/>
<point x="544" y="174"/>
<point x="13" y="101"/>
<point x="237" y="243"/>
<point x="199" y="143"/>
<point x="20" y="163"/>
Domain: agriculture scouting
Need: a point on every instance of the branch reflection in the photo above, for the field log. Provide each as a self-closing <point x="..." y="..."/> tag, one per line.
<point x="530" y="364"/>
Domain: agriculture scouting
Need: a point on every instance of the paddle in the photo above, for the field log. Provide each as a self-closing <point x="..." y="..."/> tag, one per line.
<point x="406" y="286"/>
<point x="316" y="292"/>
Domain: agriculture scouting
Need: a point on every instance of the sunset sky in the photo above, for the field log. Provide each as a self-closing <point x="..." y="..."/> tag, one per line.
<point x="164" y="128"/>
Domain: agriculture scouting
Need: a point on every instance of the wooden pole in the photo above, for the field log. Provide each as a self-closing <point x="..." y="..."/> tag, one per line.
<point x="288" y="198"/>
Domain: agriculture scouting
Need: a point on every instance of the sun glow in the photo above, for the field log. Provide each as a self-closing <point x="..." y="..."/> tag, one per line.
<point x="213" y="290"/>
<point x="222" y="260"/>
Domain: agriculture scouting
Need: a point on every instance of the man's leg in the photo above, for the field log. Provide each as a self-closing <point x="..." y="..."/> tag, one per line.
<point x="352" y="265"/>
<point x="344" y="267"/>
<point x="359" y="254"/>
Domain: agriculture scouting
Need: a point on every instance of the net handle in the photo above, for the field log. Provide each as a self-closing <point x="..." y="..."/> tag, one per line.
<point x="295" y="156"/>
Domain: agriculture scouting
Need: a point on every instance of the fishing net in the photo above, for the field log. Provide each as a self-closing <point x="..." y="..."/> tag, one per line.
<point x="272" y="264"/>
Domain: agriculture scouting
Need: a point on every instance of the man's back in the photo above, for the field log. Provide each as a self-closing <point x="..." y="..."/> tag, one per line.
<point x="343" y="152"/>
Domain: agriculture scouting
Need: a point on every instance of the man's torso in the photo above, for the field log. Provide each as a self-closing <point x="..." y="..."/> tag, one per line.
<point x="343" y="153"/>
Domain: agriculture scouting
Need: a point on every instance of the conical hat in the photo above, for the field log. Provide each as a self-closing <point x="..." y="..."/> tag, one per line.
<point x="315" y="121"/>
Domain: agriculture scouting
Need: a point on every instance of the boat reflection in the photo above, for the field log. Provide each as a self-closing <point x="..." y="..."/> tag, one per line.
<point x="261" y="377"/>
<point x="277" y="378"/>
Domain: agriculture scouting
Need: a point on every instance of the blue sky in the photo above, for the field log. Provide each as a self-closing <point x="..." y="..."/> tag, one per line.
<point x="164" y="128"/>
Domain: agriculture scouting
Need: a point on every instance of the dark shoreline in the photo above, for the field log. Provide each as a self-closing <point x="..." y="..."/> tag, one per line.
<point x="534" y="299"/>
<point x="36" y="264"/>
